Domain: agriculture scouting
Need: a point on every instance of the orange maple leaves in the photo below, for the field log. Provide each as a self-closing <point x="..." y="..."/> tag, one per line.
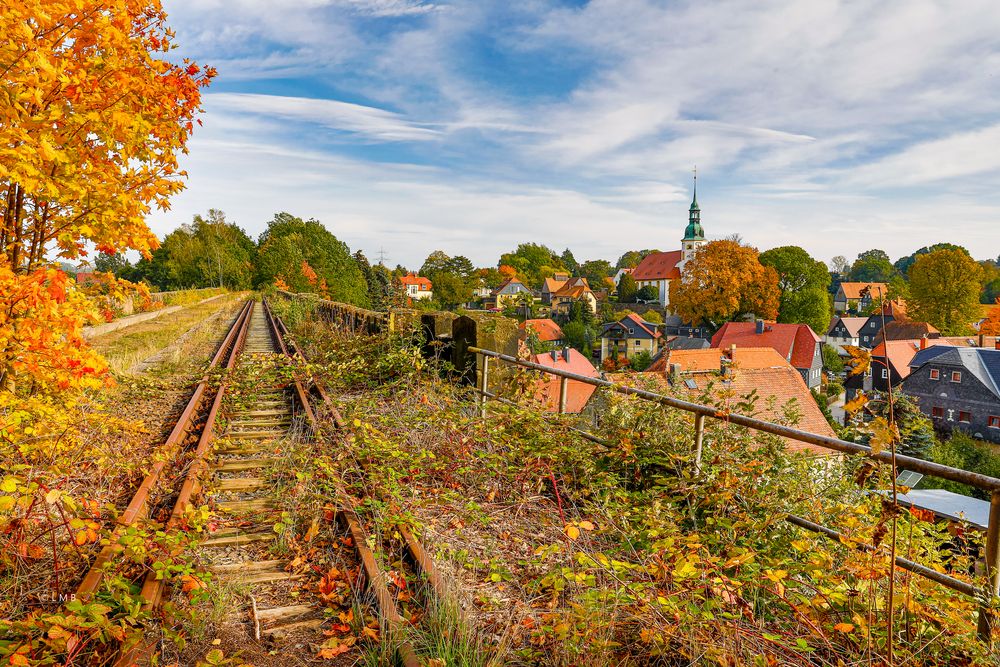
<point x="991" y="325"/>
<point x="41" y="328"/>
<point x="93" y="125"/>
<point x="725" y="280"/>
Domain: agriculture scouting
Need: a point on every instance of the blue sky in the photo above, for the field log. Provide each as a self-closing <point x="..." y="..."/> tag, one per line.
<point x="472" y="126"/>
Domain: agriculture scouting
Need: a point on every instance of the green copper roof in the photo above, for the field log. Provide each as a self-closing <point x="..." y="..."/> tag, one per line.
<point x="694" y="232"/>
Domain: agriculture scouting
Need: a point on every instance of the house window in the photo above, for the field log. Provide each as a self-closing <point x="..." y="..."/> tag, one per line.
<point x="956" y="376"/>
<point x="935" y="374"/>
<point x="631" y="330"/>
<point x="885" y="373"/>
<point x="937" y="413"/>
<point x="637" y="342"/>
<point x="994" y="421"/>
<point x="866" y="339"/>
<point x="964" y="417"/>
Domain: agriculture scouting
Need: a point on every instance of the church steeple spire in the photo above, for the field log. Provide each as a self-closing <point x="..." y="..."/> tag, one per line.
<point x="694" y="231"/>
<point x="694" y="199"/>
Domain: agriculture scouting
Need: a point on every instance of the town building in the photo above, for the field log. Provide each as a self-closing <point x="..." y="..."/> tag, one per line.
<point x="507" y="294"/>
<point x="796" y="343"/>
<point x="843" y="332"/>
<point x="906" y="330"/>
<point x="658" y="269"/>
<point x="416" y="287"/>
<point x="573" y="290"/>
<point x="577" y="393"/>
<point x="545" y="329"/>
<point x="552" y="285"/>
<point x="890" y="312"/>
<point x="628" y="337"/>
<point x="890" y="365"/>
<point x="958" y="388"/>
<point x="858" y="297"/>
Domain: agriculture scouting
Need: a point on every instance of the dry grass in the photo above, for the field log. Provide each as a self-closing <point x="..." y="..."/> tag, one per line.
<point x="127" y="347"/>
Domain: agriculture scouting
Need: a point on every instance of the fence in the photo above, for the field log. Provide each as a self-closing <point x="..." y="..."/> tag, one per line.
<point x="463" y="346"/>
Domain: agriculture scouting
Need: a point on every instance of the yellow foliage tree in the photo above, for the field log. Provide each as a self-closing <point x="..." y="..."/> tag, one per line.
<point x="91" y="121"/>
<point x="92" y="118"/>
<point x="723" y="281"/>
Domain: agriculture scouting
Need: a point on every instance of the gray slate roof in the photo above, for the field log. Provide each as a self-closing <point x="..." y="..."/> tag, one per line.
<point x="982" y="362"/>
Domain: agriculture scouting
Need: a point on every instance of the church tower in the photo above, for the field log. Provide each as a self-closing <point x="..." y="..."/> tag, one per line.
<point x="694" y="235"/>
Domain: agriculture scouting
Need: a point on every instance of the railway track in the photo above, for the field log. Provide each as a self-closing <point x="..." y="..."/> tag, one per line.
<point x="232" y="443"/>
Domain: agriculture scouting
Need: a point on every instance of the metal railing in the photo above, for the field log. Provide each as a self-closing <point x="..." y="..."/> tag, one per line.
<point x="985" y="594"/>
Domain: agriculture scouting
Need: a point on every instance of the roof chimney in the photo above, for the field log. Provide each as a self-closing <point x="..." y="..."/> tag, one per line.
<point x="675" y="373"/>
<point x="760" y="326"/>
<point x="732" y="351"/>
<point x="555" y="355"/>
<point x="923" y="342"/>
<point x="566" y="350"/>
<point x="996" y="342"/>
<point x="982" y="340"/>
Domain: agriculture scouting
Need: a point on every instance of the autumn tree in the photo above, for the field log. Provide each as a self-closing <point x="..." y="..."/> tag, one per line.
<point x="93" y="119"/>
<point x="903" y="264"/>
<point x="631" y="258"/>
<point x="595" y="271"/>
<point x="872" y="266"/>
<point x="289" y="241"/>
<point x="569" y="261"/>
<point x="627" y="288"/>
<point x="840" y="265"/>
<point x="208" y="252"/>
<point x="804" y="284"/>
<point x="991" y="325"/>
<point x="93" y="122"/>
<point x="944" y="290"/>
<point x="723" y="281"/>
<point x="528" y="260"/>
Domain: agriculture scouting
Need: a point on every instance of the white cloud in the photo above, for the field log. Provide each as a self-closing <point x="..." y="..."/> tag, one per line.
<point x="376" y="124"/>
<point x="962" y="154"/>
<point x="809" y="121"/>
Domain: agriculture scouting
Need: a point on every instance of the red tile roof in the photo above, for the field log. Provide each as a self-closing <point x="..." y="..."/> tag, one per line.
<point x="783" y="383"/>
<point x="853" y="290"/>
<point x="795" y="342"/>
<point x="423" y="284"/>
<point x="577" y="393"/>
<point x="658" y="266"/>
<point x="546" y="329"/>
<point x="710" y="359"/>
<point x="901" y="352"/>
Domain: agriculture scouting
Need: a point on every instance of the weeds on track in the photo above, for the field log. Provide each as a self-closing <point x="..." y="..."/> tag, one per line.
<point x="566" y="552"/>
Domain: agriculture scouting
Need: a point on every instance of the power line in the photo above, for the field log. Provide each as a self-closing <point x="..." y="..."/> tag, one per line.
<point x="382" y="256"/>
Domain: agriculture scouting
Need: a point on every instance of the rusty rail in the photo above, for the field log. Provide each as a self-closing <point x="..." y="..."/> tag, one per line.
<point x="375" y="577"/>
<point x="986" y="594"/>
<point x="138" y="506"/>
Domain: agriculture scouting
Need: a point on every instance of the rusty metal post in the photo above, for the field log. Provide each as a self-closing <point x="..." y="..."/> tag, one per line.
<point x="483" y="385"/>
<point x="992" y="569"/>
<point x="699" y="436"/>
<point x="563" y="386"/>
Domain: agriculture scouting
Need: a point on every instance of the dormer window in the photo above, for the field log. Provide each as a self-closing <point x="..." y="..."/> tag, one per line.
<point x="935" y="374"/>
<point x="956" y="376"/>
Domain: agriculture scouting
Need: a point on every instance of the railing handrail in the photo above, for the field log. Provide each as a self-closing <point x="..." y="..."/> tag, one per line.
<point x="980" y="481"/>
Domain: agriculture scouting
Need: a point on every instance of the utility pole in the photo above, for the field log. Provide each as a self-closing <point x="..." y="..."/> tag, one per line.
<point x="218" y="256"/>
